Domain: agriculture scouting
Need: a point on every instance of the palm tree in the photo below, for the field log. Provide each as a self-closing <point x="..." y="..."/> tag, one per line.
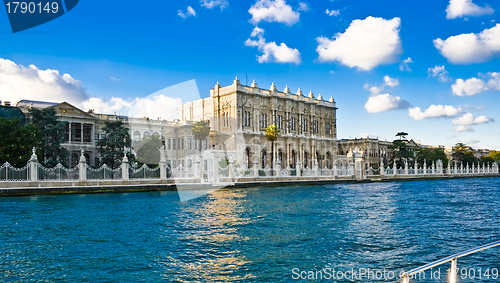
<point x="272" y="134"/>
<point x="200" y="131"/>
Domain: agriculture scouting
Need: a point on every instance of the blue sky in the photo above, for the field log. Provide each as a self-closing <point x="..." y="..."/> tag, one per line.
<point x="117" y="51"/>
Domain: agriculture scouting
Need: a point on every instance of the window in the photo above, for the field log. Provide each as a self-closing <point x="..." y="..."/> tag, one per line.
<point x="195" y="144"/>
<point x="327" y="129"/>
<point x="205" y="165"/>
<point x="280" y="122"/>
<point x="168" y="144"/>
<point x="316" y="127"/>
<point x="304" y="125"/>
<point x="190" y="163"/>
<point x="173" y="144"/>
<point x="263" y="120"/>
<point x="76" y="132"/>
<point x="146" y="135"/>
<point x="137" y="135"/>
<point x="182" y="143"/>
<point x="67" y="133"/>
<point x="174" y="163"/>
<point x="292" y="123"/>
<point x="204" y="144"/>
<point x="264" y="158"/>
<point x="189" y="143"/>
<point x="246" y="118"/>
<point x="87" y="133"/>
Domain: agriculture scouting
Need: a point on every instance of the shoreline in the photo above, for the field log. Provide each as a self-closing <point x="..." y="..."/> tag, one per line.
<point x="126" y="188"/>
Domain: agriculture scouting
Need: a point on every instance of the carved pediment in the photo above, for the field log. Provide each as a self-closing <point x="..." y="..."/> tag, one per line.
<point x="66" y="109"/>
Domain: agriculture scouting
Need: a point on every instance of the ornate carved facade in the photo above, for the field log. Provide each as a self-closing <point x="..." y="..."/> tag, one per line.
<point x="239" y="116"/>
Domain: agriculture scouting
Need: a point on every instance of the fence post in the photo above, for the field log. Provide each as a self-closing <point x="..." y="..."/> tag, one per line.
<point x="416" y="167"/>
<point x="82" y="167"/>
<point x="433" y="171"/>
<point x="298" y="168"/>
<point x="125" y="166"/>
<point x="394" y="168"/>
<point x="278" y="168"/>
<point x="163" y="164"/>
<point x="406" y="167"/>
<point x="255" y="169"/>
<point x="33" y="166"/>
<point x="197" y="166"/>
<point x="382" y="169"/>
<point x="449" y="168"/>
<point x="316" y="168"/>
<point x="216" y="169"/>
<point x="230" y="167"/>
<point x="425" y="167"/>
<point x="334" y="169"/>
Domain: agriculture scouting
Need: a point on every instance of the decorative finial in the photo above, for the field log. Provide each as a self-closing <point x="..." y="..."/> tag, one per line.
<point x="311" y="95"/>
<point x="320" y="97"/>
<point x="331" y="99"/>
<point x="254" y="84"/>
<point x="287" y="90"/>
<point x="273" y="87"/>
<point x="299" y="92"/>
<point x="33" y="150"/>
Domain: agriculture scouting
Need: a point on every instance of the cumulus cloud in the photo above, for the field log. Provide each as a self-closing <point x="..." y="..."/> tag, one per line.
<point x="471" y="48"/>
<point x="18" y="82"/>
<point x="439" y="72"/>
<point x="463" y="8"/>
<point x="467" y="120"/>
<point x="434" y="111"/>
<point x="303" y="7"/>
<point x="381" y="102"/>
<point x="332" y="12"/>
<point x="273" y="11"/>
<point x="189" y="12"/>
<point x="271" y="52"/>
<point x="210" y="4"/>
<point x="404" y="66"/>
<point x="475" y="86"/>
<point x="365" y="44"/>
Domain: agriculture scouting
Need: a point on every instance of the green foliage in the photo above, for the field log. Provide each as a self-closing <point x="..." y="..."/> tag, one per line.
<point x="431" y="155"/>
<point x="200" y="131"/>
<point x="401" y="151"/>
<point x="53" y="132"/>
<point x="401" y="135"/>
<point x="17" y="141"/>
<point x="486" y="159"/>
<point x="272" y="134"/>
<point x="463" y="154"/>
<point x="224" y="162"/>
<point x="148" y="150"/>
<point x="495" y="155"/>
<point x="112" y="147"/>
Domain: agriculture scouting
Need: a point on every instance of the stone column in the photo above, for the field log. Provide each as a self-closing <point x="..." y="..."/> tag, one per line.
<point x="82" y="167"/>
<point x="406" y="167"/>
<point x="416" y="167"/>
<point x="449" y="168"/>
<point x="230" y="168"/>
<point x="425" y="167"/>
<point x="196" y="168"/>
<point x="394" y="168"/>
<point x="461" y="168"/>
<point x="125" y="167"/>
<point x="316" y="168"/>
<point x="433" y="171"/>
<point x="467" y="168"/>
<point x="298" y="168"/>
<point x="216" y="168"/>
<point x="382" y="169"/>
<point x="33" y="162"/>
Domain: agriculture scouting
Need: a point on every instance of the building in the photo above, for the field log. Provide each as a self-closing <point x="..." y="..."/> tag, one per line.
<point x="239" y="115"/>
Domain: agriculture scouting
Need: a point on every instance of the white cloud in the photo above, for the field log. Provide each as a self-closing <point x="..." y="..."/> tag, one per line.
<point x="439" y="72"/>
<point x="378" y="102"/>
<point x="189" y="12"/>
<point x="471" y="141"/>
<point x="332" y="12"/>
<point x="303" y="7"/>
<point x="404" y="66"/>
<point x="115" y="79"/>
<point x="210" y="4"/>
<point x="471" y="48"/>
<point x="462" y="8"/>
<point x="365" y="44"/>
<point x="468" y="119"/>
<point x="434" y="111"/>
<point x="271" y="51"/>
<point x="475" y="86"/>
<point x="273" y="11"/>
<point x="100" y="105"/>
<point x="18" y="82"/>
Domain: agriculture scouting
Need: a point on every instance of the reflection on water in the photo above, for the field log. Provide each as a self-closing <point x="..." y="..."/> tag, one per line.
<point x="252" y="234"/>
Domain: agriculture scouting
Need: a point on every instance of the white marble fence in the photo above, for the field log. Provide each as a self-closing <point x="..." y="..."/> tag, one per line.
<point x="210" y="171"/>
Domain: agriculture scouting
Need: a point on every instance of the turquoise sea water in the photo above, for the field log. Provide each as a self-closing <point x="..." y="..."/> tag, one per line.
<point x="262" y="234"/>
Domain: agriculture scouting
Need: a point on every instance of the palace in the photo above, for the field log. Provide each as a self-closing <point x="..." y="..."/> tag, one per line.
<point x="239" y="115"/>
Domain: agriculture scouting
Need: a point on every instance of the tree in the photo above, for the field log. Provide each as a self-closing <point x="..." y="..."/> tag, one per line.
<point x="112" y="146"/>
<point x="148" y="150"/>
<point x="401" y="150"/>
<point x="272" y="134"/>
<point x="17" y="141"/>
<point x="200" y="131"/>
<point x="495" y="155"/>
<point x="401" y="135"/>
<point x="463" y="154"/>
<point x="53" y="132"/>
<point x="431" y="155"/>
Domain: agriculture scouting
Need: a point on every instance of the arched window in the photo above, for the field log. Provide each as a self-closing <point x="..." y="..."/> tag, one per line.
<point x="264" y="158"/>
<point x="146" y="135"/>
<point x="294" y="159"/>
<point x="280" y="157"/>
<point x="305" y="159"/>
<point x="137" y="135"/>
<point x="190" y="163"/>
<point x="328" y="160"/>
